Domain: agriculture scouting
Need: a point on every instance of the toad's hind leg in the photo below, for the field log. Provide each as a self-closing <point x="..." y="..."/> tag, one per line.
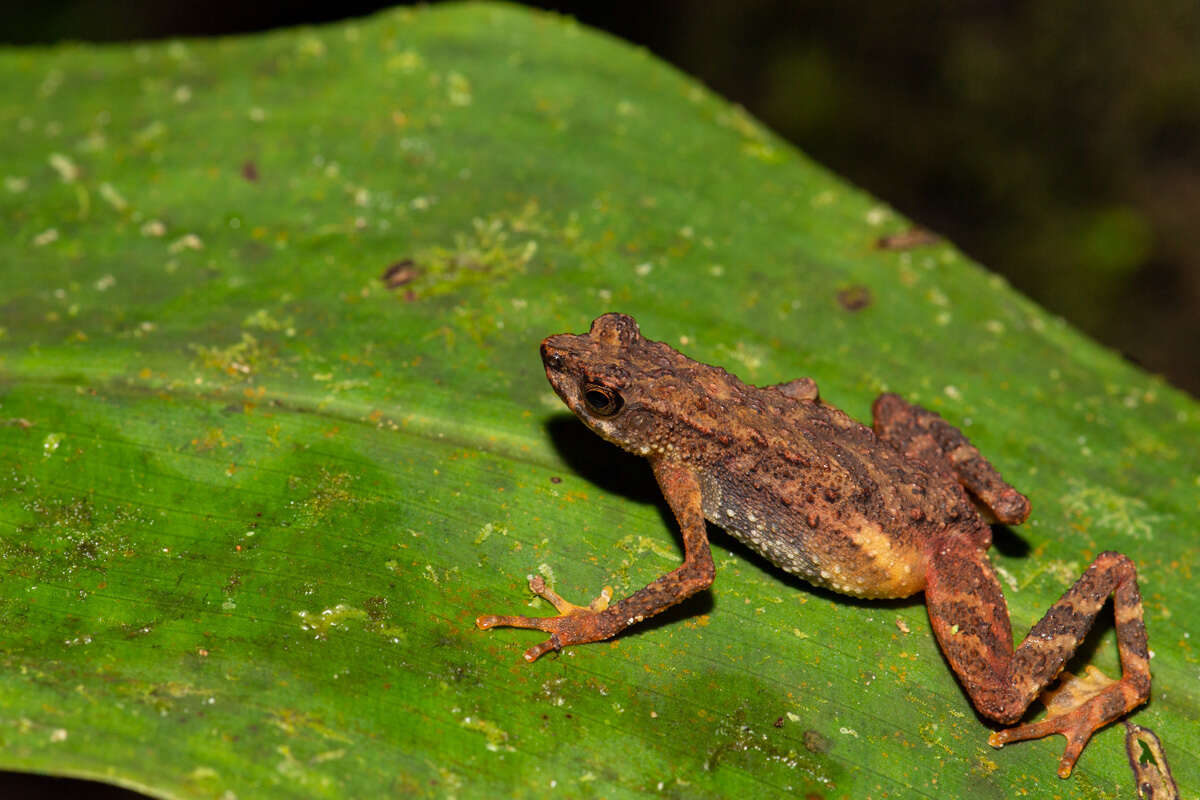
<point x="923" y="435"/>
<point x="970" y="619"/>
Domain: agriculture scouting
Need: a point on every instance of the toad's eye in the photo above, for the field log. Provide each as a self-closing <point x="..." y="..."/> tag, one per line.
<point x="601" y="400"/>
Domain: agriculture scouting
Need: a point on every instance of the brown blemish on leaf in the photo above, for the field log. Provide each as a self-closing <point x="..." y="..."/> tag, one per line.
<point x="212" y="439"/>
<point x="854" y="298"/>
<point x="400" y="273"/>
<point x="815" y="742"/>
<point x="376" y="608"/>
<point x="250" y="171"/>
<point x="81" y="538"/>
<point x="908" y="240"/>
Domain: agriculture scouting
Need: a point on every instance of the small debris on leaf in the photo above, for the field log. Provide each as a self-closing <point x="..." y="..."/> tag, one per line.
<point x="400" y="273"/>
<point x="854" y="298"/>
<point x="909" y="239"/>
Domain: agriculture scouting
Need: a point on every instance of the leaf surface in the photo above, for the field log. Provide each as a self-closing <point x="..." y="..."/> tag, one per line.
<point x="274" y="430"/>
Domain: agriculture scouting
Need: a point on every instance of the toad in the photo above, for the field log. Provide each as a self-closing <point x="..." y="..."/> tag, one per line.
<point x="885" y="511"/>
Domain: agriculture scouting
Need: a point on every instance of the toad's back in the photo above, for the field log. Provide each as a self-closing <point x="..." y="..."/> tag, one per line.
<point x="817" y="493"/>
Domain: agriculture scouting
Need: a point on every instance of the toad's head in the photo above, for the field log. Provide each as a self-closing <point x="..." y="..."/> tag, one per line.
<point x="608" y="376"/>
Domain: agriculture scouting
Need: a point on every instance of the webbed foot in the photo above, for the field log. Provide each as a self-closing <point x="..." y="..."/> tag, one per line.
<point x="1076" y="708"/>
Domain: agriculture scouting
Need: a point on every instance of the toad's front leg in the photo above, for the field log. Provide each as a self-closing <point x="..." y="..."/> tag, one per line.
<point x="599" y="621"/>
<point x="970" y="619"/>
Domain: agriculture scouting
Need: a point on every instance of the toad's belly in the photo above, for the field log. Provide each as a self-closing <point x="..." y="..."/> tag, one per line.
<point x="851" y="555"/>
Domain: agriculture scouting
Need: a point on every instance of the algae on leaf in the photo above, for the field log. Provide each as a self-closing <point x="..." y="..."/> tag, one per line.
<point x="256" y="480"/>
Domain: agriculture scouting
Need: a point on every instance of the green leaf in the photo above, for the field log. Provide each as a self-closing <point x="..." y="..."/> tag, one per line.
<point x="253" y="493"/>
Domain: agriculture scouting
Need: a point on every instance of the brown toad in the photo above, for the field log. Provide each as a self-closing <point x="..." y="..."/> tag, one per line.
<point x="884" y="512"/>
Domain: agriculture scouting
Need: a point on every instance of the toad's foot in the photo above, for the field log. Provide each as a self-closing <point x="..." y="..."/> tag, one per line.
<point x="574" y="625"/>
<point x="1076" y="708"/>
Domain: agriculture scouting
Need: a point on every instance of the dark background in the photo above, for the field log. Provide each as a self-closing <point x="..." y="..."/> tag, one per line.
<point x="1056" y="141"/>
